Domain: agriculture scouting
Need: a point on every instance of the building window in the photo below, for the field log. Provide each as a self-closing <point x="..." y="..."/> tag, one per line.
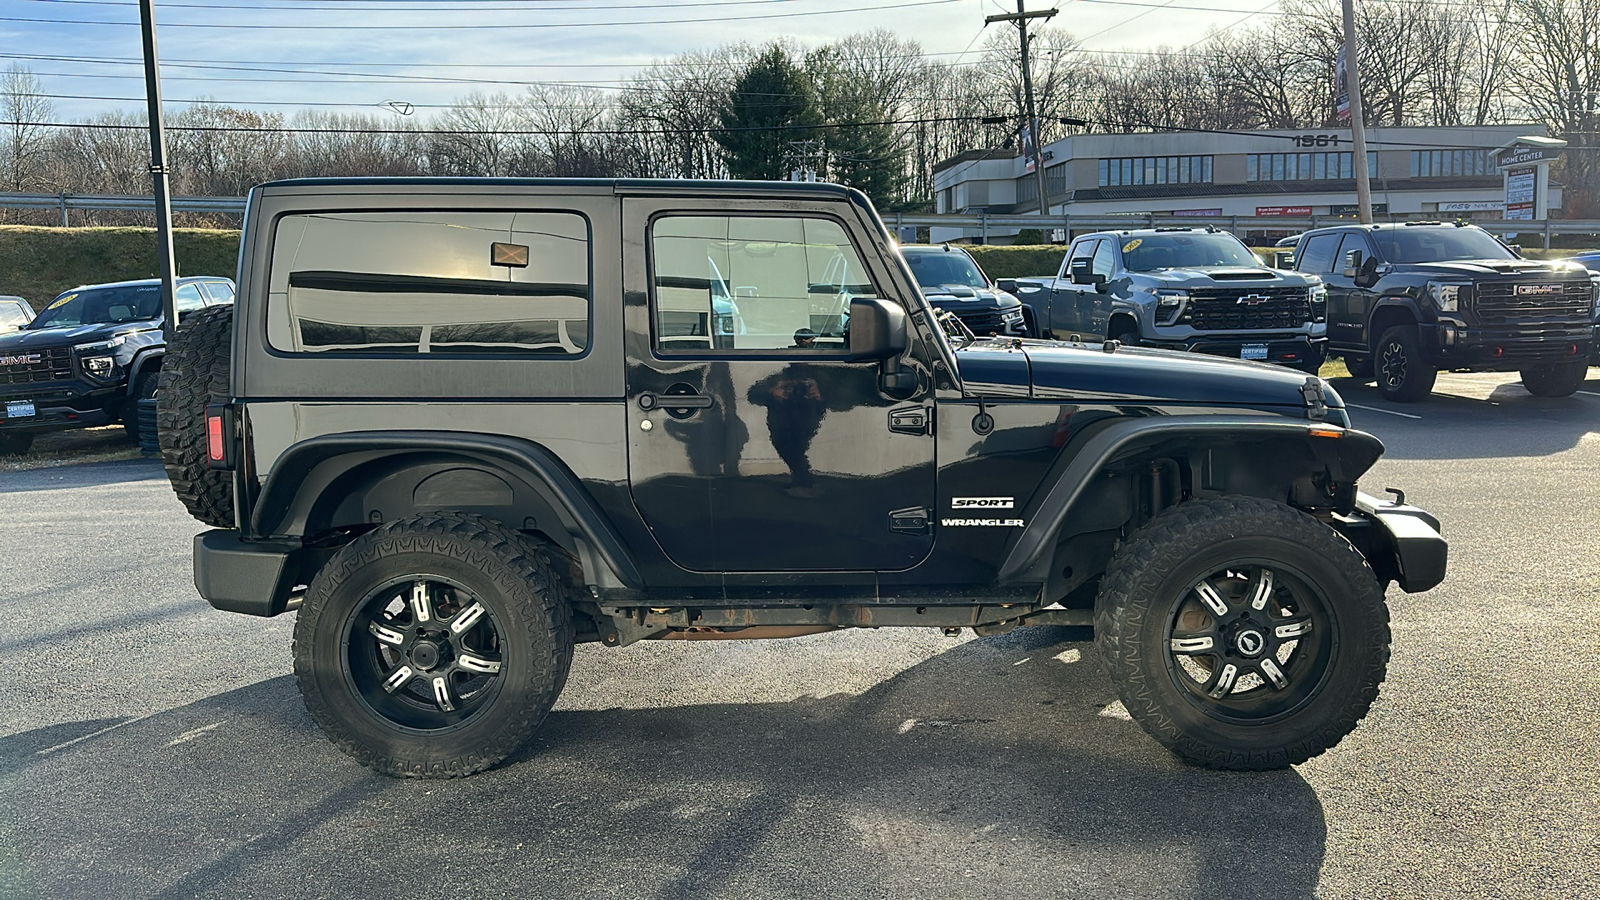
<point x="1305" y="166"/>
<point x="1155" y="170"/>
<point x="1450" y="163"/>
<point x="1055" y="180"/>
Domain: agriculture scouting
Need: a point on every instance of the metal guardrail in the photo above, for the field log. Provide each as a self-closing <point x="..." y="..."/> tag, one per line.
<point x="979" y="223"/>
<point x="68" y="202"/>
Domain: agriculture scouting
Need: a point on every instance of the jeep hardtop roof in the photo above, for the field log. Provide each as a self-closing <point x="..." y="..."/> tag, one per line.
<point x="619" y="186"/>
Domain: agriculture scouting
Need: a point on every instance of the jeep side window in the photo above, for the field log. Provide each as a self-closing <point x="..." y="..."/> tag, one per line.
<point x="1319" y="254"/>
<point x="728" y="283"/>
<point x="443" y="283"/>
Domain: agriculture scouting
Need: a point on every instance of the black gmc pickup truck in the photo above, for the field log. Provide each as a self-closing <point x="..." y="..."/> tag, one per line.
<point x="89" y="357"/>
<point x="1407" y="300"/>
<point x="460" y="425"/>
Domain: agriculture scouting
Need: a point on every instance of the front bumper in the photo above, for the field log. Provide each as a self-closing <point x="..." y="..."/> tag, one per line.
<point x="255" y="578"/>
<point x="1505" y="349"/>
<point x="1400" y="542"/>
<point x="1300" y="351"/>
<point x="59" y="405"/>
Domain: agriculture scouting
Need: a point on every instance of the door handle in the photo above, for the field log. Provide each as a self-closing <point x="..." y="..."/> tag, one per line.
<point x="648" y="400"/>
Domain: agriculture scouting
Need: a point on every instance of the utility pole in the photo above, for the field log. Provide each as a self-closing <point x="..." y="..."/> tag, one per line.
<point x="1358" y="128"/>
<point x="1022" y="17"/>
<point x="158" y="170"/>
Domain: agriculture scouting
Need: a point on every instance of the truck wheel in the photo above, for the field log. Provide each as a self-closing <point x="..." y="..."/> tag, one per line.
<point x="1560" y="379"/>
<point x="15" y="444"/>
<point x="194" y="374"/>
<point x="1242" y="634"/>
<point x="1403" y="375"/>
<point x="433" y="646"/>
<point x="143" y="389"/>
<point x="1360" y="367"/>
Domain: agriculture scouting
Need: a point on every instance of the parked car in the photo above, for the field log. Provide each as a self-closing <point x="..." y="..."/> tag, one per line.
<point x="15" y="312"/>
<point x="1195" y="289"/>
<point x="457" y="442"/>
<point x="952" y="280"/>
<point x="1407" y="300"/>
<point x="1591" y="261"/>
<point x="90" y="356"/>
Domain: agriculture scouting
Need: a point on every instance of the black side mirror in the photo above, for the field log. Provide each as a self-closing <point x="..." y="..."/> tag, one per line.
<point x="1352" y="263"/>
<point x="1083" y="272"/>
<point x="1367" y="275"/>
<point x="878" y="331"/>
<point x="1009" y="285"/>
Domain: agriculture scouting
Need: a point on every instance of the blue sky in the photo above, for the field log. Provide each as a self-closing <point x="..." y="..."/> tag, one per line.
<point x="411" y="44"/>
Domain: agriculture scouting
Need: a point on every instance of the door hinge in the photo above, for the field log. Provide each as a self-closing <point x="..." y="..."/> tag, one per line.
<point x="909" y="420"/>
<point x="909" y="521"/>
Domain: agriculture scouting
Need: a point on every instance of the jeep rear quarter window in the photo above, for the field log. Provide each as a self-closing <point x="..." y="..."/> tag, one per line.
<point x="753" y="283"/>
<point x="441" y="283"/>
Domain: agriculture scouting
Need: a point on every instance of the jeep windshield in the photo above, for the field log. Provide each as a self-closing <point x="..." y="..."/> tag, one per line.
<point x="939" y="268"/>
<point x="1425" y="245"/>
<point x="1154" y="252"/>
<point x="101" y="306"/>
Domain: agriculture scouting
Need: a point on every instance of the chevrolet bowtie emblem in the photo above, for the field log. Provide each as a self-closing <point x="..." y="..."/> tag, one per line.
<point x="1252" y="300"/>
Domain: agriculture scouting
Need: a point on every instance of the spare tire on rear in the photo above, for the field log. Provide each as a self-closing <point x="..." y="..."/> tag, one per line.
<point x="193" y="375"/>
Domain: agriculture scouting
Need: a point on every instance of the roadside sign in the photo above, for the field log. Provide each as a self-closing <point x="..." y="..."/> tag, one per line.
<point x="1520" y="187"/>
<point x="1283" y="210"/>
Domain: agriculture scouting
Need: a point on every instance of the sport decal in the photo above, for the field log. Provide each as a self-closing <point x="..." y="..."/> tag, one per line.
<point x="980" y="503"/>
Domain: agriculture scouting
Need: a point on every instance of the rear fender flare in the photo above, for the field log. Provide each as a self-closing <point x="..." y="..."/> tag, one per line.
<point x="1029" y="551"/>
<point x="313" y="478"/>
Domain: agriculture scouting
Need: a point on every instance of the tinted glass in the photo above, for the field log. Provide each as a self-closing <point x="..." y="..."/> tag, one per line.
<point x="131" y="303"/>
<point x="1318" y="254"/>
<point x="188" y="298"/>
<point x="1105" y="259"/>
<point x="753" y="283"/>
<point x="12" y="314"/>
<point x="936" y="268"/>
<point x="1351" y="242"/>
<point x="430" y="282"/>
<point x="1422" y="245"/>
<point x="1147" y="253"/>
<point x="219" y="292"/>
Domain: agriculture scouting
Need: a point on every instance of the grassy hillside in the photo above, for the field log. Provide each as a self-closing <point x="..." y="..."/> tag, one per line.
<point x="39" y="263"/>
<point x="1018" y="262"/>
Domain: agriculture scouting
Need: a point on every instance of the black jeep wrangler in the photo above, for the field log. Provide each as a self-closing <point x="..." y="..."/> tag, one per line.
<point x="1407" y="300"/>
<point x="461" y="425"/>
<point x="90" y="357"/>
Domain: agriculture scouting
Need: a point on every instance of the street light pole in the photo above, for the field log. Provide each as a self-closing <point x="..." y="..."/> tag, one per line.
<point x="1358" y="128"/>
<point x="158" y="171"/>
<point x="1021" y="17"/>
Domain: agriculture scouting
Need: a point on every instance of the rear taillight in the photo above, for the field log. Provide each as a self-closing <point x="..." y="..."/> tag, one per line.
<point x="219" y="436"/>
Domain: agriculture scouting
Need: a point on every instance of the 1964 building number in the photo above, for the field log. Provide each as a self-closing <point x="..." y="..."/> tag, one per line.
<point x="1316" y="140"/>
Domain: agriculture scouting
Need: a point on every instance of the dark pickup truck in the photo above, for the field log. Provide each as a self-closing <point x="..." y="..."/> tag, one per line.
<point x="1407" y="300"/>
<point x="1196" y="289"/>
<point x="90" y="357"/>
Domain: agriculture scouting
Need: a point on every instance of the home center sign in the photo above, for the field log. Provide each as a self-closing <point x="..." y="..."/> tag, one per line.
<point x="1525" y="163"/>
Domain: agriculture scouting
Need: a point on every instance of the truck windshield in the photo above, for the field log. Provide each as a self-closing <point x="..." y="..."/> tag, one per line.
<point x="131" y="303"/>
<point x="937" y="268"/>
<point x="1425" y="245"/>
<point x="1149" y="253"/>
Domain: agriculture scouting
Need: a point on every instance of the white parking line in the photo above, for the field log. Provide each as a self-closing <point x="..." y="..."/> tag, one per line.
<point x="1387" y="412"/>
<point x="93" y="734"/>
<point x="1589" y="393"/>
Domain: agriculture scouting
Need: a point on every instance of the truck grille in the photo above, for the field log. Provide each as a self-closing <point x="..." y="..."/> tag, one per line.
<point x="984" y="322"/>
<point x="1498" y="303"/>
<point x="52" y="365"/>
<point x="1243" y="308"/>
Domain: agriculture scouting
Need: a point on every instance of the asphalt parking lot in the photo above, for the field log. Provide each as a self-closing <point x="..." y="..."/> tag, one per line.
<point x="151" y="747"/>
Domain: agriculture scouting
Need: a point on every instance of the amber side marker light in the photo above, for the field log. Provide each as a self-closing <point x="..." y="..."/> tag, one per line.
<point x="1324" y="431"/>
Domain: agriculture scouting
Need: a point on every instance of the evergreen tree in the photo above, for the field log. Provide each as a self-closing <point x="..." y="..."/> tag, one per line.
<point x="767" y="102"/>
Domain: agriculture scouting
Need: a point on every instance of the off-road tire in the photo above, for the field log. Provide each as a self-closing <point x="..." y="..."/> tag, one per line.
<point x="1404" y="376"/>
<point x="1560" y="379"/>
<point x="143" y="388"/>
<point x="15" y="444"/>
<point x="528" y="602"/>
<point x="1360" y="367"/>
<point x="1164" y="561"/>
<point x="194" y="374"/>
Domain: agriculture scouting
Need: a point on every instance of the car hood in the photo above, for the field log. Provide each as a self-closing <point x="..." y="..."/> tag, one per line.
<point x="1245" y="276"/>
<point x="957" y="297"/>
<point x="1479" y="268"/>
<point x="49" y="338"/>
<point x="1057" y="370"/>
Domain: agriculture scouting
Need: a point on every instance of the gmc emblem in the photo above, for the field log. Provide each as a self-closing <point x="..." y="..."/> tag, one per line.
<point x="25" y="359"/>
<point x="1524" y="290"/>
<point x="1252" y="300"/>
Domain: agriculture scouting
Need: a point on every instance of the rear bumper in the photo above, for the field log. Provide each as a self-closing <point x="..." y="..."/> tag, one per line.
<point x="255" y="578"/>
<point x="1401" y="543"/>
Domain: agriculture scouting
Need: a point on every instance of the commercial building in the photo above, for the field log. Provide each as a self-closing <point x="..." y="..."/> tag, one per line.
<point x="1417" y="172"/>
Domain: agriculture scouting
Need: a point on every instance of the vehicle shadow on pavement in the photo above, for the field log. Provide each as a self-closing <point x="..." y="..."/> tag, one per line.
<point x="993" y="769"/>
<point x="1508" y="422"/>
<point x="80" y="476"/>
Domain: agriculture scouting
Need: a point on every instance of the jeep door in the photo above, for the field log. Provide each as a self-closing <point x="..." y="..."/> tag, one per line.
<point x="755" y="443"/>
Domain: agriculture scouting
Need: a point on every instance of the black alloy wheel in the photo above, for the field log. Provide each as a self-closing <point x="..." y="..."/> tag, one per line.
<point x="1242" y="633"/>
<point x="434" y="645"/>
<point x="1403" y="375"/>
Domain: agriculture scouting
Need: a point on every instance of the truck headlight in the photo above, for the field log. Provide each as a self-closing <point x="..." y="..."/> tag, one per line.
<point x="112" y="344"/>
<point x="99" y="366"/>
<point x="1169" y="303"/>
<point x="1319" y="303"/>
<point x="1445" y="296"/>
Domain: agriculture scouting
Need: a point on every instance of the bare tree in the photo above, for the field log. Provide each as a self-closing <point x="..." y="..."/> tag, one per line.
<point x="24" y="142"/>
<point x="1558" y="54"/>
